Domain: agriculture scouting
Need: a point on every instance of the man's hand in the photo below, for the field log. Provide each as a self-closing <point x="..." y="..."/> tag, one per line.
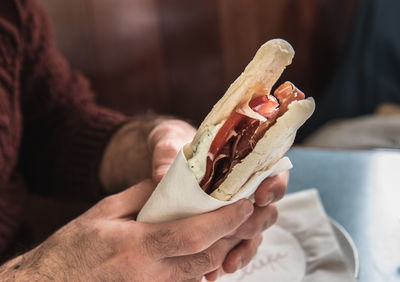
<point x="265" y="215"/>
<point x="106" y="244"/>
<point x="141" y="149"/>
<point x="165" y="141"/>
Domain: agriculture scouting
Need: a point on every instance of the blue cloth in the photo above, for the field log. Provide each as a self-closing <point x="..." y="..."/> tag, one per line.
<point x="369" y="73"/>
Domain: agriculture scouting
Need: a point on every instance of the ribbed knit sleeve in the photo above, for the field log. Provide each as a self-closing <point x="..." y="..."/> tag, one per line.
<point x="12" y="186"/>
<point x="65" y="132"/>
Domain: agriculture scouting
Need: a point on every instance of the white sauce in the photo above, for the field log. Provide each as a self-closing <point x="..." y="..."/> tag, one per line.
<point x="198" y="162"/>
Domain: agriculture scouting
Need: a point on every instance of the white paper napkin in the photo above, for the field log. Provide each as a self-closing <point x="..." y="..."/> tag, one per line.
<point x="300" y="247"/>
<point x="179" y="195"/>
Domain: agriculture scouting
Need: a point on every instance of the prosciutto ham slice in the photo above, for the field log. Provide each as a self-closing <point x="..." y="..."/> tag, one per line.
<point x="240" y="132"/>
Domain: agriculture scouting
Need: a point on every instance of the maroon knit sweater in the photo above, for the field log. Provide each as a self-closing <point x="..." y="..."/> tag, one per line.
<point x="52" y="134"/>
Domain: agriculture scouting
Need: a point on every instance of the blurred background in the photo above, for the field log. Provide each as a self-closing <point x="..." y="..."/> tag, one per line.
<point x="178" y="57"/>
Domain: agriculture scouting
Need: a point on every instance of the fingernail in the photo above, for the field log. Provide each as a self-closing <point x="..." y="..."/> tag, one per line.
<point x="247" y="208"/>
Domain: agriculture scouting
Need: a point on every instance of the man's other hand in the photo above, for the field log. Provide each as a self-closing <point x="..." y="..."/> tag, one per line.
<point x="106" y="243"/>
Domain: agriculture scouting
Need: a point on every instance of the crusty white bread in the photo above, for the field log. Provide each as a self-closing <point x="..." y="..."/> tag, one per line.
<point x="268" y="150"/>
<point x="262" y="72"/>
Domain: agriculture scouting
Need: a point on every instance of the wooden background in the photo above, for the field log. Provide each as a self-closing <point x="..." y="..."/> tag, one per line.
<point x="178" y="56"/>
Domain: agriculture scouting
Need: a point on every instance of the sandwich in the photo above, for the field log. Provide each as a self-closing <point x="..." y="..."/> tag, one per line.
<point x="251" y="127"/>
<point x="240" y="143"/>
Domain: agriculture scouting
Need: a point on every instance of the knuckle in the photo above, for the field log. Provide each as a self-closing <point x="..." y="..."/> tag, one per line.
<point x="281" y="188"/>
<point x="246" y="232"/>
<point x="251" y="250"/>
<point x="204" y="260"/>
<point x="251" y="228"/>
<point x="199" y="263"/>
<point x="182" y="272"/>
<point x="158" y="175"/>
<point x="258" y="240"/>
<point x="167" y="242"/>
<point x="274" y="214"/>
<point x="262" y="220"/>
<point x="160" y="243"/>
<point x="192" y="241"/>
<point x="230" y="220"/>
<point x="190" y="266"/>
<point x="249" y="233"/>
<point x="216" y="257"/>
<point x="166" y="145"/>
<point x="272" y="218"/>
<point x="107" y="203"/>
<point x="173" y="274"/>
<point x="102" y="204"/>
<point x="184" y="268"/>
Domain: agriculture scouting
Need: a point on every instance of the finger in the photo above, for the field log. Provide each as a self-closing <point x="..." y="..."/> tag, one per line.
<point x="272" y="189"/>
<point x="201" y="263"/>
<point x="128" y="202"/>
<point x="159" y="173"/>
<point x="261" y="219"/>
<point x="173" y="130"/>
<point x="164" y="154"/>
<point x="242" y="254"/>
<point x="165" y="141"/>
<point x="196" y="233"/>
<point x="212" y="276"/>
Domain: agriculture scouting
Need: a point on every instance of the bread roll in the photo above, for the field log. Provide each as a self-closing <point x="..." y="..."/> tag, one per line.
<point x="261" y="73"/>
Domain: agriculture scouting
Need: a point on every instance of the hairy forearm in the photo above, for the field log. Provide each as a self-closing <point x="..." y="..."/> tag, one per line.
<point x="127" y="159"/>
<point x="12" y="270"/>
<point x="70" y="254"/>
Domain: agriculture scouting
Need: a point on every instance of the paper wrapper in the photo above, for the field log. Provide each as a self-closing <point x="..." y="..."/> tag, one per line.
<point x="179" y="195"/>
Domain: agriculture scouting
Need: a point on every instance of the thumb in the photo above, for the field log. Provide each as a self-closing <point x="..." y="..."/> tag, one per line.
<point x="164" y="154"/>
<point x="128" y="202"/>
<point x="159" y="172"/>
<point x="134" y="198"/>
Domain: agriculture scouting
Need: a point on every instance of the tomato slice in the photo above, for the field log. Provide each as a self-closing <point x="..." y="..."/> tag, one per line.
<point x="264" y="105"/>
<point x="216" y="145"/>
<point x="224" y="132"/>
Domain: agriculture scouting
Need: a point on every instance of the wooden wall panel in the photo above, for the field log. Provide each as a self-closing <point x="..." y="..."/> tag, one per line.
<point x="178" y="56"/>
<point x="73" y="32"/>
<point x="117" y="44"/>
<point x="239" y="34"/>
<point x="316" y="29"/>
<point x="192" y="50"/>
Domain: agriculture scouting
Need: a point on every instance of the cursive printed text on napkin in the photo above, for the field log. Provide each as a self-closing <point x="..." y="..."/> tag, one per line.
<point x="262" y="261"/>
